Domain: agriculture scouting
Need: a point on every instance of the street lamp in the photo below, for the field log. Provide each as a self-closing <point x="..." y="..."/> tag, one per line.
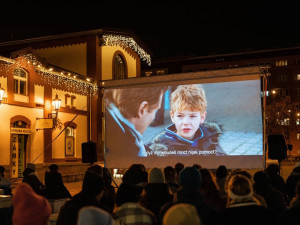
<point x="56" y="105"/>
<point x="1" y="93"/>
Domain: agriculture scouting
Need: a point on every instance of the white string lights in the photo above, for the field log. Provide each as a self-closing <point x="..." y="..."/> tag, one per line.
<point x="51" y="76"/>
<point x="128" y="42"/>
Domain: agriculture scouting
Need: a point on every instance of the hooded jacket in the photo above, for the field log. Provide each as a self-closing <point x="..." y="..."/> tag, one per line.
<point x="205" y="141"/>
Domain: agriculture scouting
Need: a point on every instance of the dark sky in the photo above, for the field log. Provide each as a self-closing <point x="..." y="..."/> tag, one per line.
<point x="168" y="29"/>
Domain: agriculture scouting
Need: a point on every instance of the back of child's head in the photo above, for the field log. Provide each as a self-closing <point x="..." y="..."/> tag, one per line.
<point x="188" y="97"/>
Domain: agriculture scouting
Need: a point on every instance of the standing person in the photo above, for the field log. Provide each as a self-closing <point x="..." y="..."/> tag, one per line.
<point x="55" y="188"/>
<point x="292" y="215"/>
<point x="29" y="208"/>
<point x="211" y="192"/>
<point x="156" y="192"/>
<point x="31" y="178"/>
<point x="5" y="184"/>
<point x="275" y="199"/>
<point x="189" y="130"/>
<point x="90" y="195"/>
<point x="170" y="177"/>
<point x="129" y="113"/>
<point x="178" y="167"/>
<point x="190" y="182"/>
<point x="241" y="206"/>
<point x="291" y="181"/>
<point x="221" y="176"/>
<point x="276" y="180"/>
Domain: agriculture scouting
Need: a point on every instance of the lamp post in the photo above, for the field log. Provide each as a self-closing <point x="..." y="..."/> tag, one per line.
<point x="56" y="105"/>
<point x="1" y="93"/>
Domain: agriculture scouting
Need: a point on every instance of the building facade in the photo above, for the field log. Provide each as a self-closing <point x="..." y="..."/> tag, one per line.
<point x="70" y="67"/>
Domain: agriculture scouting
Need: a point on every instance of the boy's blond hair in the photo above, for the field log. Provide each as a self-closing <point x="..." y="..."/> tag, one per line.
<point x="188" y="97"/>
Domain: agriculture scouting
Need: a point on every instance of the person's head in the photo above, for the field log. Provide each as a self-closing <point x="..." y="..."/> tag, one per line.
<point x="239" y="189"/>
<point x="31" y="166"/>
<point x="181" y="213"/>
<point x="221" y="172"/>
<point x="53" y="168"/>
<point x="272" y="169"/>
<point x="178" y="167"/>
<point x="190" y="178"/>
<point x="208" y="181"/>
<point x="29" y="207"/>
<point x="188" y="109"/>
<point x="138" y="105"/>
<point x="126" y="193"/>
<point x="156" y="175"/>
<point x="170" y="174"/>
<point x="94" y="216"/>
<point x="93" y="184"/>
<point x="261" y="177"/>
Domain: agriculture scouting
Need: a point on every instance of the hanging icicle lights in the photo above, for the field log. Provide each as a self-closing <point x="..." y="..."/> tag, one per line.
<point x="71" y="81"/>
<point x="112" y="40"/>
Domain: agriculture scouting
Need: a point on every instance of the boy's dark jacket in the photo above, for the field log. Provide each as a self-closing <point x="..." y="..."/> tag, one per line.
<point x="206" y="139"/>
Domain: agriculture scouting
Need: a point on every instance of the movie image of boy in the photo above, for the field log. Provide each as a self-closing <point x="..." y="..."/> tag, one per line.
<point x="188" y="130"/>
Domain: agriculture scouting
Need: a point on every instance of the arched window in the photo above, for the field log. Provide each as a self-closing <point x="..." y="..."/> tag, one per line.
<point x="119" y="67"/>
<point x="70" y="139"/>
<point x="20" y="82"/>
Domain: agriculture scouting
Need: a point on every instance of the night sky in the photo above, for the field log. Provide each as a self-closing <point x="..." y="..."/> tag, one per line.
<point x="169" y="30"/>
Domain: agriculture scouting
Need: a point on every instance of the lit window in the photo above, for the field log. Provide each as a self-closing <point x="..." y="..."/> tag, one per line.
<point x="119" y="67"/>
<point x="20" y="82"/>
<point x="298" y="136"/>
<point x="297" y="121"/>
<point x="69" y="141"/>
<point x="298" y="76"/>
<point x="281" y="62"/>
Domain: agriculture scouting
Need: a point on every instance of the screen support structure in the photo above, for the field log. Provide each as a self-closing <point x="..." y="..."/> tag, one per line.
<point x="264" y="70"/>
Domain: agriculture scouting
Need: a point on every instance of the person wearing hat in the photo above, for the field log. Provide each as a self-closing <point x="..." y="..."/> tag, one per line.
<point x="181" y="213"/>
<point x="190" y="192"/>
<point x="156" y="192"/>
<point x="291" y="181"/>
<point x="92" y="215"/>
<point x="31" y="178"/>
<point x="29" y="207"/>
<point x="242" y="207"/>
<point x="5" y="184"/>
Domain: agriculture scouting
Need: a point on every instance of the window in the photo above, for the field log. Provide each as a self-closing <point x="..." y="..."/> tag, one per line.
<point x="297" y="121"/>
<point x="119" y="67"/>
<point x="69" y="141"/>
<point x="298" y="136"/>
<point x="281" y="62"/>
<point x="20" y="81"/>
<point x="282" y="78"/>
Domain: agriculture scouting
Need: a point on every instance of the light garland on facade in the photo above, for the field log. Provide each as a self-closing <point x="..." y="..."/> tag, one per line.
<point x="50" y="76"/>
<point x="128" y="42"/>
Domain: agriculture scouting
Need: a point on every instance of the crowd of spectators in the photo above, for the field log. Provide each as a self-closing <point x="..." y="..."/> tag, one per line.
<point x="159" y="196"/>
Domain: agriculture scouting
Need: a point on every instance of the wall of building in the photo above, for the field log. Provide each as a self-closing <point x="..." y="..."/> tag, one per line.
<point x="107" y="61"/>
<point x="69" y="57"/>
<point x="36" y="138"/>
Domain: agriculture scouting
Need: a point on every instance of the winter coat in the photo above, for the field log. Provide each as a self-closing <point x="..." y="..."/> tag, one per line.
<point x="205" y="141"/>
<point x="291" y="182"/>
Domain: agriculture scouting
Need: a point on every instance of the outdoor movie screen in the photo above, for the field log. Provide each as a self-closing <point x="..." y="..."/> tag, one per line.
<point x="206" y="123"/>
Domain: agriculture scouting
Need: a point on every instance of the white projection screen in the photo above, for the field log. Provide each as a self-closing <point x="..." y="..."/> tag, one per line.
<point x="140" y="127"/>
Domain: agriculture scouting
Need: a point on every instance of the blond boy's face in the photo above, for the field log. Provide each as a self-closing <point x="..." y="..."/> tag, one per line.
<point x="187" y="122"/>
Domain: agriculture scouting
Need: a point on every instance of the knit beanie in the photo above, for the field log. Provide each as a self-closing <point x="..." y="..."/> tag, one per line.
<point x="190" y="177"/>
<point x="31" y="166"/>
<point x="29" y="208"/>
<point x="181" y="213"/>
<point x="94" y="216"/>
<point x="156" y="175"/>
